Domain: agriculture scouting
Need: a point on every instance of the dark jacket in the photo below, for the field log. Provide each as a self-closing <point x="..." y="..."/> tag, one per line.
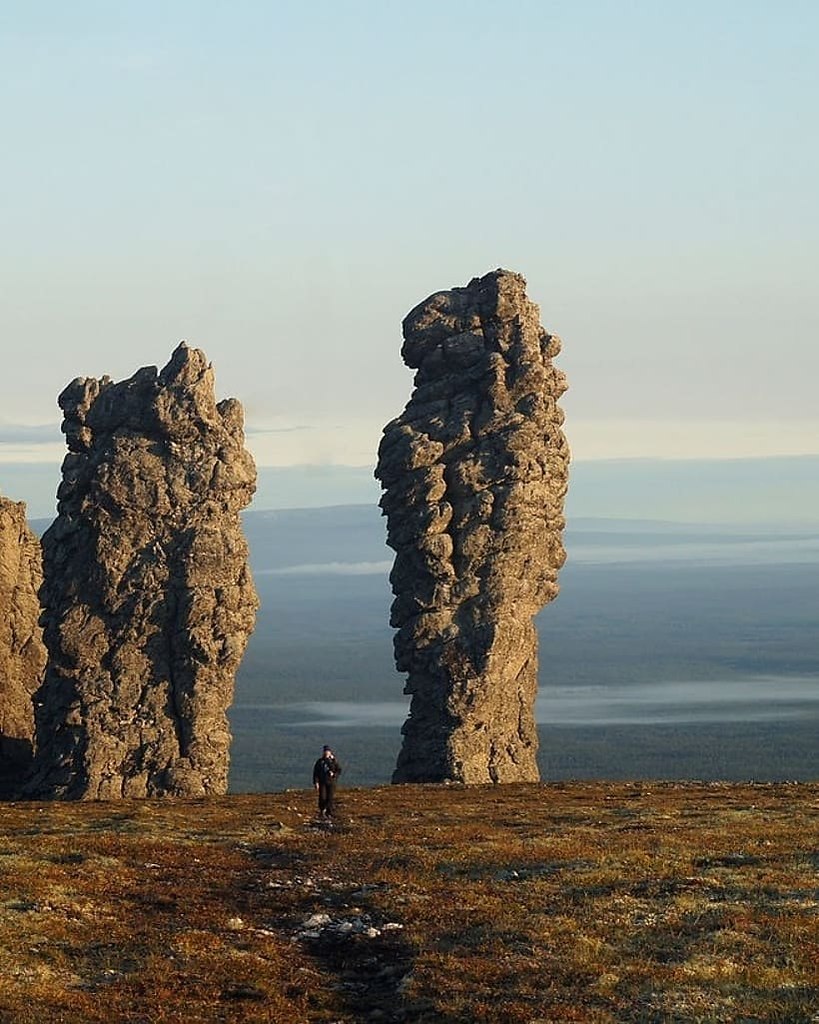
<point x="325" y="771"/>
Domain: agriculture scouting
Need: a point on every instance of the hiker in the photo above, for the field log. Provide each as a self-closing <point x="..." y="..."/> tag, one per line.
<point x="325" y="772"/>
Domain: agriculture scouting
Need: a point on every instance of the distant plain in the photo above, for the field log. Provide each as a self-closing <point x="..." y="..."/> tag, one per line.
<point x="674" y="651"/>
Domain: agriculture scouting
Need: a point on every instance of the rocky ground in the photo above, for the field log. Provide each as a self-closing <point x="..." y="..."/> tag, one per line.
<point x="522" y="904"/>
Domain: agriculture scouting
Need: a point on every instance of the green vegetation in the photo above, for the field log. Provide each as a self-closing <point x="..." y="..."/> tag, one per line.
<point x="586" y="902"/>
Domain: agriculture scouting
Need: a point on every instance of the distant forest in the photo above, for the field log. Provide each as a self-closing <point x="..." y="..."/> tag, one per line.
<point x="665" y="603"/>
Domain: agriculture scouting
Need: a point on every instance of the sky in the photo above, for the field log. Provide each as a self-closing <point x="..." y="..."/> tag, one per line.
<point x="279" y="183"/>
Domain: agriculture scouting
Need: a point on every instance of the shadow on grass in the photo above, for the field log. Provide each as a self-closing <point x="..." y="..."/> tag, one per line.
<point x="361" y="954"/>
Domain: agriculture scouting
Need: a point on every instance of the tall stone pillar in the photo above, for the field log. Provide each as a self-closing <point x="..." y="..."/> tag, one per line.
<point x="474" y="473"/>
<point x="148" y="599"/>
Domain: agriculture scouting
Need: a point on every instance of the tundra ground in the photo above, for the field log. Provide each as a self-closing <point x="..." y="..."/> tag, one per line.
<point x="522" y="904"/>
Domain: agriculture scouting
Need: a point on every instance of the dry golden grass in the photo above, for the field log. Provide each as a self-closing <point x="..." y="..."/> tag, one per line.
<point x="518" y="904"/>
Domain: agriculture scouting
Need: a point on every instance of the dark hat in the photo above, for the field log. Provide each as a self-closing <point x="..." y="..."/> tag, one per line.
<point x="325" y="747"/>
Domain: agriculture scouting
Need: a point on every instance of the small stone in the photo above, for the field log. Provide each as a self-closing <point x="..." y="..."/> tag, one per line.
<point x="234" y="924"/>
<point x="317" y="921"/>
<point x="244" y="992"/>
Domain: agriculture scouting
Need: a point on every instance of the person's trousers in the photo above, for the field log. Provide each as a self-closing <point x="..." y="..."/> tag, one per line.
<point x="326" y="795"/>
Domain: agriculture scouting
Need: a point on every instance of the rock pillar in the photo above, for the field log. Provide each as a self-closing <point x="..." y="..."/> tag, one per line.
<point x="22" y="653"/>
<point x="148" y="599"/>
<point x="474" y="473"/>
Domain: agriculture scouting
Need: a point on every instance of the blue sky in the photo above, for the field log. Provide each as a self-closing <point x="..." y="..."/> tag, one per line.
<point x="279" y="183"/>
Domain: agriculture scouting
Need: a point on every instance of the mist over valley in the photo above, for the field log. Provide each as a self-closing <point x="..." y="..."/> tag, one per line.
<point x="674" y="651"/>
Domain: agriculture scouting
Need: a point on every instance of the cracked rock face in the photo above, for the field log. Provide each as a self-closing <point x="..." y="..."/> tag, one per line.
<point x="148" y="600"/>
<point x="474" y="474"/>
<point x="22" y="653"/>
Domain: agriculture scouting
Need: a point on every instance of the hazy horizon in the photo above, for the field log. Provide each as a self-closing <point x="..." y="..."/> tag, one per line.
<point x="774" y="489"/>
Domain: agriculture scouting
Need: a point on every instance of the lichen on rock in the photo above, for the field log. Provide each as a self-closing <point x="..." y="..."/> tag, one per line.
<point x="148" y="601"/>
<point x="474" y="473"/>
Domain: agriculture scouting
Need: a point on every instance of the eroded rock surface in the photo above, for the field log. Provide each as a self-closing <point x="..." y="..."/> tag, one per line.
<point x="474" y="474"/>
<point x="148" y="599"/>
<point x="22" y="652"/>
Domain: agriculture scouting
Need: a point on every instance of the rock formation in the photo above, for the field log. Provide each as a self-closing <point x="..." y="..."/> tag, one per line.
<point x="148" y="600"/>
<point x="474" y="474"/>
<point x="22" y="653"/>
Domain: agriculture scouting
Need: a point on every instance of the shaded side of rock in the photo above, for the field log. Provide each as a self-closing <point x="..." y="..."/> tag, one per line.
<point x="148" y="599"/>
<point x="22" y="652"/>
<point x="474" y="474"/>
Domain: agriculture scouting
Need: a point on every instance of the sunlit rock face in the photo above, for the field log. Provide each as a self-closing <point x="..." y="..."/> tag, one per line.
<point x="148" y="600"/>
<point x="22" y="653"/>
<point x="474" y="474"/>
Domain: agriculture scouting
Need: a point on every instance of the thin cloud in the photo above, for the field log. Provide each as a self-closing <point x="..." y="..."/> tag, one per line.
<point x="21" y="433"/>
<point x="329" y="569"/>
<point x="276" y="430"/>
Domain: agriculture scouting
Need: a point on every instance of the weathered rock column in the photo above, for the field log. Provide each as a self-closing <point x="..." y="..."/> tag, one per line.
<point x="22" y="652"/>
<point x="148" y="600"/>
<point x="474" y="473"/>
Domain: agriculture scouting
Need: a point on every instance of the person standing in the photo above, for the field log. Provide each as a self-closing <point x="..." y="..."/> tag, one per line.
<point x="325" y="772"/>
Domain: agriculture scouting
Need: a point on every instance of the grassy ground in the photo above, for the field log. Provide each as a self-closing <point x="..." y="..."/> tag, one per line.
<point x="520" y="904"/>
